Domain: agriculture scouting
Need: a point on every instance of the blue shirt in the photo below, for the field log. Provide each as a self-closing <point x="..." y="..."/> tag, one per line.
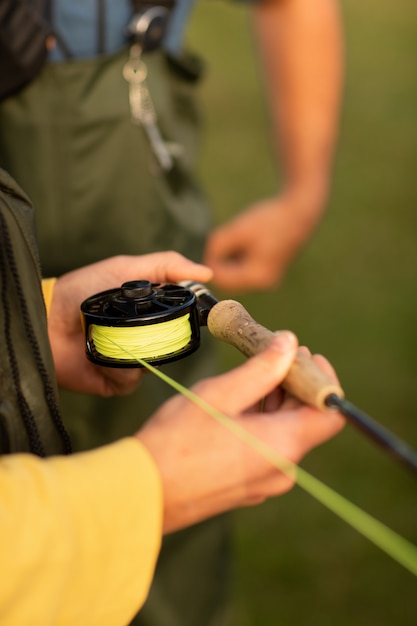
<point x="76" y="22"/>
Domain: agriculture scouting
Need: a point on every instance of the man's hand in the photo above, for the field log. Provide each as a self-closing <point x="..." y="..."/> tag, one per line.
<point x="253" y="251"/>
<point x="73" y="369"/>
<point x="205" y="468"/>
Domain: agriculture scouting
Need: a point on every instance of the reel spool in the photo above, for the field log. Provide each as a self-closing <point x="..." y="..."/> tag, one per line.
<point x="157" y="323"/>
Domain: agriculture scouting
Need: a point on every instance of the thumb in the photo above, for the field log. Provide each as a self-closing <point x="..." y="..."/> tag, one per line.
<point x="219" y="241"/>
<point x="243" y="386"/>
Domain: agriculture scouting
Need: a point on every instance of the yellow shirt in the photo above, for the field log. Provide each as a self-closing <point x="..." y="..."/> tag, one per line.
<point x="79" y="536"/>
<point x="48" y="285"/>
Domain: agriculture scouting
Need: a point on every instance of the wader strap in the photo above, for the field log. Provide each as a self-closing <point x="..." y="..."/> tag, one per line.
<point x="48" y="11"/>
<point x="101" y="26"/>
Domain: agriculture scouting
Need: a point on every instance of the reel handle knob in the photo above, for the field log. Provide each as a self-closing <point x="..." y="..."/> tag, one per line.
<point x="229" y="321"/>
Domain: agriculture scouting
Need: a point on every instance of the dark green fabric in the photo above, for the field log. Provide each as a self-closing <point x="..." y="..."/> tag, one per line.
<point x="29" y="416"/>
<point x="69" y="141"/>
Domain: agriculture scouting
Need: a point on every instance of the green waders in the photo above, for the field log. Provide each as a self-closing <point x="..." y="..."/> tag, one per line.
<point x="29" y="415"/>
<point x="69" y="141"/>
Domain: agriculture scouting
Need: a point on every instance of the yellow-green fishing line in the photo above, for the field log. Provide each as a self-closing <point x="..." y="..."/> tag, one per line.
<point x="142" y="342"/>
<point x="400" y="549"/>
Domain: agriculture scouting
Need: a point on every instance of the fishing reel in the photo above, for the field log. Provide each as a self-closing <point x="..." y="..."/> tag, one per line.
<point x="141" y="321"/>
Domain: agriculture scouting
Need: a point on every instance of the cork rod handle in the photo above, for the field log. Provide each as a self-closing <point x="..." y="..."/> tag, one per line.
<point x="229" y="321"/>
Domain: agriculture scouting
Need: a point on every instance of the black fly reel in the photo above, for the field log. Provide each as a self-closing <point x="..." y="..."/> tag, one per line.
<point x="156" y="323"/>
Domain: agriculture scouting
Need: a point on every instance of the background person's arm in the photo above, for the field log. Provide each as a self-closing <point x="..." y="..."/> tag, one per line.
<point x="300" y="46"/>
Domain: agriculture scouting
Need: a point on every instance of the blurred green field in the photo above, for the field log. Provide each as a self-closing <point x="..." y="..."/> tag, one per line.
<point x="351" y="294"/>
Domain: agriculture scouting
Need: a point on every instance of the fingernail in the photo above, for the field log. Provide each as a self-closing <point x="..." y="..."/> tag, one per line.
<point x="284" y="340"/>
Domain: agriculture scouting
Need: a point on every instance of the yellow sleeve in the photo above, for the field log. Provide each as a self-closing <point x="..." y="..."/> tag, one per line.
<point x="48" y="285"/>
<point x="79" y="536"/>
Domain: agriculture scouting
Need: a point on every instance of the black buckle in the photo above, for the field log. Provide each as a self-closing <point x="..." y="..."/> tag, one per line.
<point x="148" y="27"/>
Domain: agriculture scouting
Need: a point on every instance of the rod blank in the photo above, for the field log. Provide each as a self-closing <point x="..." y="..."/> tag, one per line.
<point x="378" y="433"/>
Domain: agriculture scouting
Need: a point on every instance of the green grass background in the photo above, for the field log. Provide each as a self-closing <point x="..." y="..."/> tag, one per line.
<point x="351" y="295"/>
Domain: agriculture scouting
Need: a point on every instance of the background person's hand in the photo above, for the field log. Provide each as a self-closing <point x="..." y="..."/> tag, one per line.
<point x="74" y="370"/>
<point x="253" y="250"/>
<point x="205" y="469"/>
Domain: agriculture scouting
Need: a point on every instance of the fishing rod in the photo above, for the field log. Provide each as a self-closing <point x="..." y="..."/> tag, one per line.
<point x="161" y="323"/>
<point x="229" y="321"/>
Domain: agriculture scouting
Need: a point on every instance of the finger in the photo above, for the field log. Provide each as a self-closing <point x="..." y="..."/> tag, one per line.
<point x="258" y="376"/>
<point x="326" y="366"/>
<point x="165" y="266"/>
<point x="316" y="427"/>
<point x="234" y="276"/>
<point x="322" y="362"/>
<point x="270" y="403"/>
<point x="227" y="244"/>
<point x="243" y="271"/>
<point x="217" y="244"/>
<point x="121" y="382"/>
<point x="289" y="401"/>
<point x="293" y="433"/>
